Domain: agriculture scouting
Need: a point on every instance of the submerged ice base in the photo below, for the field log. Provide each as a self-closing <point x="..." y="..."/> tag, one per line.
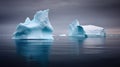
<point x="38" y="28"/>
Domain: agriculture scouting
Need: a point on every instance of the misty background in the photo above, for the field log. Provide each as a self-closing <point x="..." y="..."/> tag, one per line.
<point x="104" y="13"/>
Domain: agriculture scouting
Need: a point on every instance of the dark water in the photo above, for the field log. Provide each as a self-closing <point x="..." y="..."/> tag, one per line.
<point x="62" y="52"/>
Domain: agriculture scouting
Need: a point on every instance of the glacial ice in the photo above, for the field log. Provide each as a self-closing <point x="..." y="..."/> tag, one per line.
<point x="38" y="28"/>
<point x="75" y="29"/>
<point x="92" y="30"/>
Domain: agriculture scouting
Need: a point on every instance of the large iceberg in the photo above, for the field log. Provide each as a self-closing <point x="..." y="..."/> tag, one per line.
<point x="92" y="30"/>
<point x="38" y="28"/>
<point x="75" y="29"/>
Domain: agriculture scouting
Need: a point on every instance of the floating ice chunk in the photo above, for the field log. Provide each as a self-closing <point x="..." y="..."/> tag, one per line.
<point x="92" y="30"/>
<point x="76" y="30"/>
<point x="62" y="35"/>
<point x="38" y="28"/>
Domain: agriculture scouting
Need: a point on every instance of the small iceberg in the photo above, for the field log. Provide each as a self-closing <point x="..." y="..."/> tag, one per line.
<point x="75" y="29"/>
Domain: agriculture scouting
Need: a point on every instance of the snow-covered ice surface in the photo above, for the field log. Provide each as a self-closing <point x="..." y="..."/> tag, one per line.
<point x="75" y="29"/>
<point x="38" y="28"/>
<point x="95" y="31"/>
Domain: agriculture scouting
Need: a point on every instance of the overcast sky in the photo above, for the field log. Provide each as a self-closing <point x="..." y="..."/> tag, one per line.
<point x="104" y="13"/>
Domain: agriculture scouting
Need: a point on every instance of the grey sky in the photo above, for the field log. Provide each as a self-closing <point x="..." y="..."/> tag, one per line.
<point x="103" y="13"/>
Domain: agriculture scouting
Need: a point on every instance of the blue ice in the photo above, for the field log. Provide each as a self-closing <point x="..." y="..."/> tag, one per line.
<point x="37" y="28"/>
<point x="75" y="29"/>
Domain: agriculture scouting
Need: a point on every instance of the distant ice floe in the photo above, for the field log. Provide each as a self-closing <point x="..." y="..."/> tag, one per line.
<point x="62" y="35"/>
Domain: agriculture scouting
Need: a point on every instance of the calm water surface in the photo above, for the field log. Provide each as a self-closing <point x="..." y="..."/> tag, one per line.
<point x="62" y="52"/>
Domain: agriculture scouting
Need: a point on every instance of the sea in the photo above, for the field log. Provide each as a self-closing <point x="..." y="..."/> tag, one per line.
<point x="63" y="51"/>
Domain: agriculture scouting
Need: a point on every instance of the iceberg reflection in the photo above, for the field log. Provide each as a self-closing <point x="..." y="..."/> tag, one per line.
<point x="94" y="45"/>
<point x="79" y="42"/>
<point x="35" y="52"/>
<point x="89" y="45"/>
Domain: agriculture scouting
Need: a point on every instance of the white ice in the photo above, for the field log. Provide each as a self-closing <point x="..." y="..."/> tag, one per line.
<point x="38" y="28"/>
<point x="75" y="29"/>
<point x="92" y="30"/>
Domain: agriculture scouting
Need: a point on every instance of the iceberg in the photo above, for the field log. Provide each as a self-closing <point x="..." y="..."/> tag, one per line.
<point x="75" y="29"/>
<point x="37" y="28"/>
<point x="92" y="30"/>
